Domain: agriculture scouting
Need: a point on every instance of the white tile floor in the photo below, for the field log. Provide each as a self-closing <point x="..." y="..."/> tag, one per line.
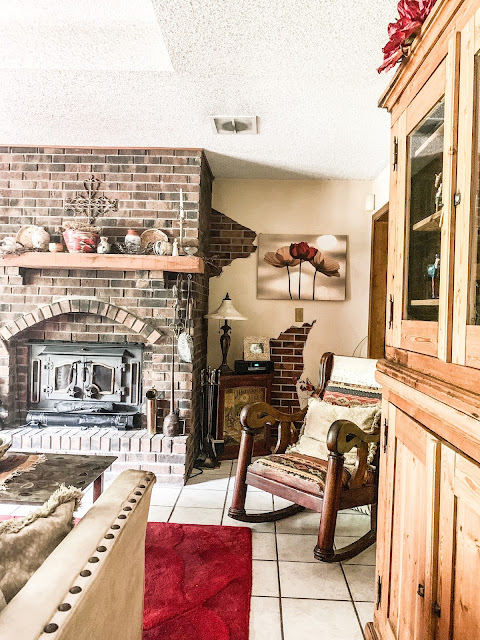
<point x="294" y="597"/>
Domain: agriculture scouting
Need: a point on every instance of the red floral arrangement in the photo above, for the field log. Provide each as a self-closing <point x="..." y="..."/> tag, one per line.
<point x="413" y="14"/>
<point x="302" y="251"/>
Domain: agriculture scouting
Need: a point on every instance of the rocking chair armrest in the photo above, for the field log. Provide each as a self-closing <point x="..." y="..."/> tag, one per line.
<point x="256" y="416"/>
<point x="342" y="436"/>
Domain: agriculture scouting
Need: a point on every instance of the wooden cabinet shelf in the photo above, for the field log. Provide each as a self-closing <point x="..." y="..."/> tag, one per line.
<point x="430" y="223"/>
<point x="101" y="262"/>
<point x="428" y="302"/>
<point x="433" y="144"/>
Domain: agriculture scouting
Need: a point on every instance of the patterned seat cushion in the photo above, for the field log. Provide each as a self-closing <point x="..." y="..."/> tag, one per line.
<point x="299" y="471"/>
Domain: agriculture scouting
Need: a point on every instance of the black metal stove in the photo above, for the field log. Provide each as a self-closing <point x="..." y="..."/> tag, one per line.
<point x="85" y="384"/>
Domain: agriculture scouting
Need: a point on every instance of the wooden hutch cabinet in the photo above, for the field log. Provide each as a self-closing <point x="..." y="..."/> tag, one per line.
<point x="428" y="558"/>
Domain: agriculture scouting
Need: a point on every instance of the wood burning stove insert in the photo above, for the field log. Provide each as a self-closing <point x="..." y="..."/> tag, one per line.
<point x="85" y="384"/>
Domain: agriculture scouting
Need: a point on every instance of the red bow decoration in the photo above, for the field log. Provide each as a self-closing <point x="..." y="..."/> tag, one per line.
<point x="413" y="14"/>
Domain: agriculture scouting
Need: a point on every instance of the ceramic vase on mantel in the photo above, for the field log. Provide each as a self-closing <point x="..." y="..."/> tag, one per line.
<point x="132" y="241"/>
<point x="81" y="241"/>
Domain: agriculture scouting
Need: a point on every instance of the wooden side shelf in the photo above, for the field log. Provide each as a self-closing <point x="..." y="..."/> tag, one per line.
<point x="101" y="262"/>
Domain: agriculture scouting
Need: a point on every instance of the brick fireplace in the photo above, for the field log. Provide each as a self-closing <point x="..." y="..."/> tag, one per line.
<point x="121" y="306"/>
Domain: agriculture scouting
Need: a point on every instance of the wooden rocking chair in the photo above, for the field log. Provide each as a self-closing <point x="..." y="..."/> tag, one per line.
<point x="310" y="482"/>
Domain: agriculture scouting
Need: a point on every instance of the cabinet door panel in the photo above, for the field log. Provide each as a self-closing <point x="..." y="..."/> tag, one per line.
<point x="409" y="530"/>
<point x="424" y="190"/>
<point x="466" y="303"/>
<point x="392" y="241"/>
<point x="459" y="560"/>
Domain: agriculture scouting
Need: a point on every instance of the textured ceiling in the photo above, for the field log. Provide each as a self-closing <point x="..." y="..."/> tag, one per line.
<point x="150" y="72"/>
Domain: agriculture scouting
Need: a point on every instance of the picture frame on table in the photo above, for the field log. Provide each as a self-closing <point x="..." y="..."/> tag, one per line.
<point x="256" y="348"/>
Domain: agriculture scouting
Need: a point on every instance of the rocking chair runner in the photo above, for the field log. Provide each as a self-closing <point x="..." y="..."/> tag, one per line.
<point x="333" y="487"/>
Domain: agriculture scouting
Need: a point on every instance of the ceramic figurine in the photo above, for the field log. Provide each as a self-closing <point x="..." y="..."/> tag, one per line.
<point x="175" y="248"/>
<point x="132" y="241"/>
<point x="40" y="239"/>
<point x="432" y="272"/>
<point x="104" y="245"/>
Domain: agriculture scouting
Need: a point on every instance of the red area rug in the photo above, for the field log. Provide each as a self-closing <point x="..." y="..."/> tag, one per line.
<point x="198" y="582"/>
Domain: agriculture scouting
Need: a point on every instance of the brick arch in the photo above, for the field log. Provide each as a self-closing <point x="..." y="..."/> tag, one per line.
<point x="81" y="305"/>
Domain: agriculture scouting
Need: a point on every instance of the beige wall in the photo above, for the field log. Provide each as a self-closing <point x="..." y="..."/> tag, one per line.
<point x="295" y="206"/>
<point x="381" y="187"/>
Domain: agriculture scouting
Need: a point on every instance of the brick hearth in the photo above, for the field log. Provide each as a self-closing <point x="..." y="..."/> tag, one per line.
<point x="168" y="458"/>
<point x="93" y="305"/>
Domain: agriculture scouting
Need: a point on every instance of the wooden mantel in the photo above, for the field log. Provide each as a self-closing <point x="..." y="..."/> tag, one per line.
<point x="102" y="262"/>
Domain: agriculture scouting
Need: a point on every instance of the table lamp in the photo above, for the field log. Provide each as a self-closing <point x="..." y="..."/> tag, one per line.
<point x="226" y="311"/>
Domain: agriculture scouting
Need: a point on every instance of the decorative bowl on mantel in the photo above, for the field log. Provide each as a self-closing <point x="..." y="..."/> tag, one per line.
<point x="78" y="241"/>
<point x="5" y="444"/>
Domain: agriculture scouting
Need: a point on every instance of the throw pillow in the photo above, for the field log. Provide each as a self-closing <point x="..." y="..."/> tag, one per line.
<point x="320" y="417"/>
<point x="26" y="542"/>
<point x="351" y="395"/>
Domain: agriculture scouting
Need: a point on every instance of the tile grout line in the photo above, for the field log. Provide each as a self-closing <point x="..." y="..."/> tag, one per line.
<point x="226" y="494"/>
<point x="174" y="506"/>
<point x="351" y="599"/>
<point x="280" y="607"/>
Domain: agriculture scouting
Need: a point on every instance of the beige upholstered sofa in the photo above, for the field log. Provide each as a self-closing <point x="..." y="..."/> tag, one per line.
<point x="91" y="587"/>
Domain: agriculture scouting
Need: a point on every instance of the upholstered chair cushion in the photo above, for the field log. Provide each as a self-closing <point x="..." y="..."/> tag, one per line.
<point x="321" y="415"/>
<point x="26" y="542"/>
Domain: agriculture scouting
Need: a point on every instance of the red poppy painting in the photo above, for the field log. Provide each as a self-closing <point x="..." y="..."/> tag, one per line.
<point x="301" y="267"/>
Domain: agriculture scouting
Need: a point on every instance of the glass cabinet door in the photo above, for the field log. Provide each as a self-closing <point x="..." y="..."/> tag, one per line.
<point x="466" y="312"/>
<point x="423" y="263"/>
<point x="423" y="229"/>
<point x="423" y="242"/>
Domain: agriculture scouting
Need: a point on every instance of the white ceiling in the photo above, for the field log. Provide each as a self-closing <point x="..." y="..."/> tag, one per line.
<point x="150" y="72"/>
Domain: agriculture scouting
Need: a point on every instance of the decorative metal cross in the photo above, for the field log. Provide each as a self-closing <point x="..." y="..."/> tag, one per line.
<point x="89" y="205"/>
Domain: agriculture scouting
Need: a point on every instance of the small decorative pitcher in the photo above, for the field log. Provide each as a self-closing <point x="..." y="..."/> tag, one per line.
<point x="104" y="245"/>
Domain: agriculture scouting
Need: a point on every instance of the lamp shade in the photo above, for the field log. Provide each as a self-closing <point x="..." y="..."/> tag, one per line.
<point x="226" y="311"/>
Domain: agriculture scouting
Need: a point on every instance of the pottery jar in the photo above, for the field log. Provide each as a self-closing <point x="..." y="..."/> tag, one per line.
<point x="133" y="241"/>
<point x="40" y="238"/>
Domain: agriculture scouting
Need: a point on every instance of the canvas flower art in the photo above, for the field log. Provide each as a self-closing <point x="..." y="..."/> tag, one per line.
<point x="302" y="262"/>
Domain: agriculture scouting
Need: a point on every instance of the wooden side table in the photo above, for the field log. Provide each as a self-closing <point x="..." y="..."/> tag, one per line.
<point x="235" y="391"/>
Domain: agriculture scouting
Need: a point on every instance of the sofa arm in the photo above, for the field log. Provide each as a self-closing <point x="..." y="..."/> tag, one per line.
<point x="96" y="573"/>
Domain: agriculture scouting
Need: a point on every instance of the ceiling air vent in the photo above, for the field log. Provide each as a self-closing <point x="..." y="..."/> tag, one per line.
<point x="234" y="124"/>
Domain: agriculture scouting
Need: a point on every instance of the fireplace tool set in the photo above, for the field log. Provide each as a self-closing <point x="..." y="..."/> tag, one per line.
<point x="209" y="446"/>
<point x="182" y="339"/>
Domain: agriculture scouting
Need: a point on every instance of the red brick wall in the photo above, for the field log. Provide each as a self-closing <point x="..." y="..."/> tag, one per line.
<point x="287" y="354"/>
<point x="34" y="183"/>
<point x="229" y="240"/>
